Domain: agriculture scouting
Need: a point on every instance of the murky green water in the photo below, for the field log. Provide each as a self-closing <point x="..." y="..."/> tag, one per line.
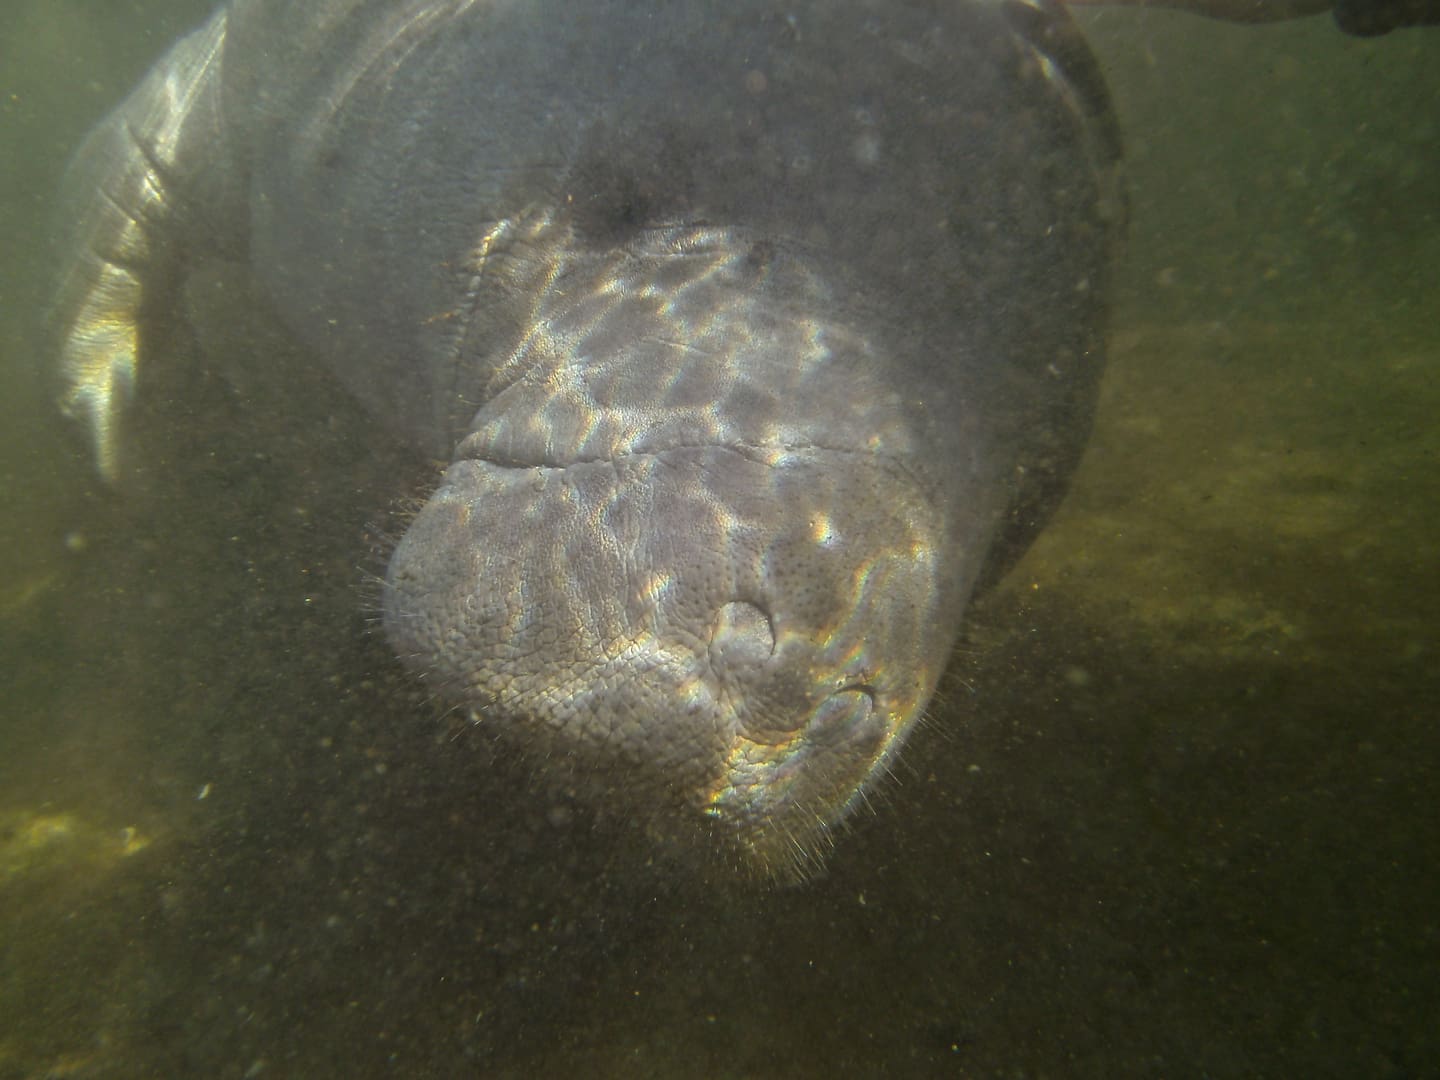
<point x="1175" y="814"/>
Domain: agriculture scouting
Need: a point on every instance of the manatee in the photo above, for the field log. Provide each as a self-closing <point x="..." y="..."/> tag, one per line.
<point x="757" y="337"/>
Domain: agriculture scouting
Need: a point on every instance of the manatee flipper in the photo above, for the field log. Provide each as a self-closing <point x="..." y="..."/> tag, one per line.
<point x="121" y="198"/>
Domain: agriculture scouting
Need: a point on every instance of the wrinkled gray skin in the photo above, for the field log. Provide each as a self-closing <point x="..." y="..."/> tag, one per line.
<point x="756" y="335"/>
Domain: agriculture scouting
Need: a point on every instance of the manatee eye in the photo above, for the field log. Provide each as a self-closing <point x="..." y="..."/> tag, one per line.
<point x="616" y="191"/>
<point x="629" y="205"/>
<point x="609" y="203"/>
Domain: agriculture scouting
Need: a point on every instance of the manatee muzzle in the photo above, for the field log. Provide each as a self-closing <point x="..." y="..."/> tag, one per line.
<point x="683" y="552"/>
<point x="738" y="630"/>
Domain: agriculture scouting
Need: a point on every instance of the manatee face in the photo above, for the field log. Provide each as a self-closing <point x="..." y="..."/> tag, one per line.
<point x="754" y="337"/>
<point x="686" y="551"/>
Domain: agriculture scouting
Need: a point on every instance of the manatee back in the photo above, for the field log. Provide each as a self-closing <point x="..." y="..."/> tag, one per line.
<point x="951" y="166"/>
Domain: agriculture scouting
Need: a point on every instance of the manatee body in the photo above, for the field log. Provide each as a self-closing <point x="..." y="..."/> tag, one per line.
<point x="755" y="335"/>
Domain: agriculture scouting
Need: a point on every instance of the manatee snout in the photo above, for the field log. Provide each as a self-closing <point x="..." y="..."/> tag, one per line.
<point x="735" y="630"/>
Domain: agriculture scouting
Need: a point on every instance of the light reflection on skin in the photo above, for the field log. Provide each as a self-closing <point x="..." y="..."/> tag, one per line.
<point x="672" y="411"/>
<point x="742" y="379"/>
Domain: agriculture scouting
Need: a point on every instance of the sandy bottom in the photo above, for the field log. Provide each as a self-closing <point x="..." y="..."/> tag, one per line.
<point x="1173" y="813"/>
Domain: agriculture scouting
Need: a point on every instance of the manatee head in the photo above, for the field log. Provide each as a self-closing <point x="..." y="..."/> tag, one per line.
<point x="686" y="552"/>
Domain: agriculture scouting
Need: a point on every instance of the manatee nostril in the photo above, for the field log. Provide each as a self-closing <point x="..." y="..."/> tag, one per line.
<point x="743" y="635"/>
<point x="844" y="712"/>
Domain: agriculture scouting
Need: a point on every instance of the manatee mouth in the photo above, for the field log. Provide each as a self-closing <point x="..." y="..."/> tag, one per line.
<point x="781" y="801"/>
<point x="500" y="451"/>
<point x="792" y="774"/>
